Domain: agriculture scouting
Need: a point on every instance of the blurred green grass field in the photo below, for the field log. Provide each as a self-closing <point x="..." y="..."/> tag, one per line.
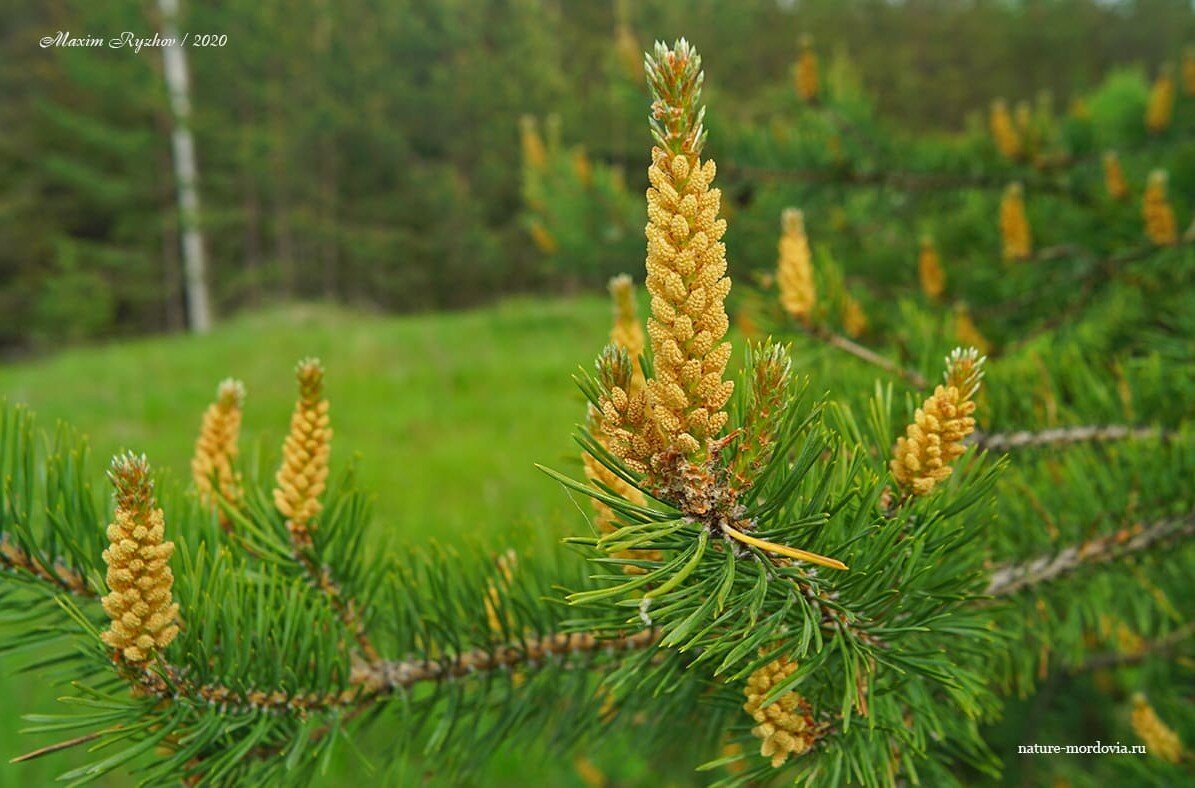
<point x="447" y="412"/>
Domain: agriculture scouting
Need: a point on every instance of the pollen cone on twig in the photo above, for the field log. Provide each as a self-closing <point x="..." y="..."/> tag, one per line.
<point x="686" y="260"/>
<point x="669" y="433"/>
<point x="1114" y="181"/>
<point x="627" y="424"/>
<point x="854" y="319"/>
<point x="605" y="518"/>
<point x="626" y="46"/>
<point x="1004" y="132"/>
<point x="794" y="267"/>
<point x="303" y="475"/>
<point x="921" y="458"/>
<point x="625" y="331"/>
<point x="1015" y="235"/>
<point x="1160" y="739"/>
<point x="582" y="167"/>
<point x="966" y="332"/>
<point x="505" y="564"/>
<point x="542" y="237"/>
<point x="806" y="78"/>
<point x="213" y="465"/>
<point x="1160" y="108"/>
<point x="1160" y="227"/>
<point x="786" y="726"/>
<point x="607" y="426"/>
<point x="929" y="269"/>
<point x="771" y="378"/>
<point x="535" y="153"/>
<point x="140" y="603"/>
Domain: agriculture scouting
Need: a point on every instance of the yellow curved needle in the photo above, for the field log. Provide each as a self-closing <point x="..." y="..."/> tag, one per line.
<point x="791" y="552"/>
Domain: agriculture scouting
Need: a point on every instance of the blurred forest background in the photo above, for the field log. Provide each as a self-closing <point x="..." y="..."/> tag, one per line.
<point x="368" y="152"/>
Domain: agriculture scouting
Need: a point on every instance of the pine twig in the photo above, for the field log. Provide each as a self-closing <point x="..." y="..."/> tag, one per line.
<point x="910" y="181"/>
<point x="1010" y="579"/>
<point x="389" y="676"/>
<point x="914" y="181"/>
<point x="15" y="558"/>
<point x="1061" y="436"/>
<point x="865" y="354"/>
<point x="50" y="749"/>
<point x="377" y="679"/>
<point x="345" y="607"/>
<point x="1088" y="280"/>
<point x="847" y="128"/>
<point x="407" y="673"/>
<point x="372" y="681"/>
<point x="1159" y="647"/>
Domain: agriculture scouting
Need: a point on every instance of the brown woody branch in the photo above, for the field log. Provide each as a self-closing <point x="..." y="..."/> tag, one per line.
<point x="1012" y="578"/>
<point x="903" y="181"/>
<point x="15" y="558"/>
<point x="840" y="342"/>
<point x="372" y="681"/>
<point x="62" y="745"/>
<point x="912" y="180"/>
<point x="1160" y="647"/>
<point x="1087" y="280"/>
<point x="1004" y="441"/>
<point x="345" y="606"/>
<point x="387" y="676"/>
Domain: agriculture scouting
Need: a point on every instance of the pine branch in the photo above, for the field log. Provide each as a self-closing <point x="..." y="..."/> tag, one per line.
<point x="1013" y="578"/>
<point x="14" y="558"/>
<point x="301" y="481"/>
<point x="895" y="179"/>
<point x="391" y="675"/>
<point x="1162" y="646"/>
<point x="865" y="354"/>
<point x="373" y="682"/>
<point x="387" y="676"/>
<point x="1088" y="280"/>
<point x="833" y="617"/>
<point x="169" y="681"/>
<point x="928" y="180"/>
<point x="847" y="128"/>
<point x="379" y="678"/>
<point x="1061" y="436"/>
<point x="345" y="606"/>
<point x="50" y="749"/>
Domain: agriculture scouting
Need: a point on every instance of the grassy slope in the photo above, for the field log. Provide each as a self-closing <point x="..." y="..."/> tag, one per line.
<point x="447" y="412"/>
<point x="445" y="408"/>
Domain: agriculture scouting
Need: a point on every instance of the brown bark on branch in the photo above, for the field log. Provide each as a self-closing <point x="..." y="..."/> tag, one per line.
<point x="345" y="606"/>
<point x="865" y="354"/>
<point x="1084" y="282"/>
<point x="1160" y="647"/>
<point x="15" y="558"/>
<point x="1012" y="578"/>
<point x="1005" y="441"/>
<point x="372" y="681"/>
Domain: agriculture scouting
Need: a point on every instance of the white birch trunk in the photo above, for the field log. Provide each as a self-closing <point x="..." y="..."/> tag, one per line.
<point x="199" y="312"/>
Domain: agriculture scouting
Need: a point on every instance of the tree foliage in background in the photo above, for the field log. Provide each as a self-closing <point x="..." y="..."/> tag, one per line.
<point x="367" y="152"/>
